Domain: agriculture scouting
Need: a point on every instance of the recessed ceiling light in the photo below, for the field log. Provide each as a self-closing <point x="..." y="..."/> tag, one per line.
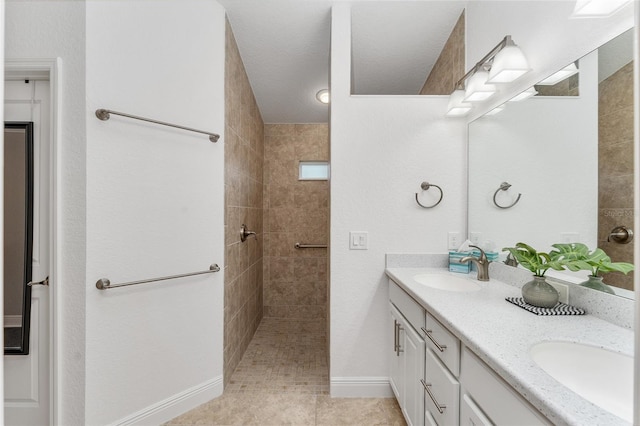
<point x="323" y="96"/>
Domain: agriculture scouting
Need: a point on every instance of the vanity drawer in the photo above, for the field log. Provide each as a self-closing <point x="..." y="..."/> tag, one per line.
<point x="444" y="344"/>
<point x="500" y="403"/>
<point x="442" y="392"/>
<point x="471" y="414"/>
<point x="411" y="310"/>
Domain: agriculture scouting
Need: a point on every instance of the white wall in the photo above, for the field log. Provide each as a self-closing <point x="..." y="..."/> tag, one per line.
<point x="382" y="148"/>
<point x="544" y="32"/>
<point x="46" y="29"/>
<point x="155" y="198"/>
<point x="547" y="148"/>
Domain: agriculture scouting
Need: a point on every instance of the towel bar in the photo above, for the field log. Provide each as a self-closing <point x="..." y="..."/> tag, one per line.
<point x="105" y="284"/>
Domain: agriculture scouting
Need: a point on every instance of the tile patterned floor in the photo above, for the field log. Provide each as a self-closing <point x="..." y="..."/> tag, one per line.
<point x="283" y="380"/>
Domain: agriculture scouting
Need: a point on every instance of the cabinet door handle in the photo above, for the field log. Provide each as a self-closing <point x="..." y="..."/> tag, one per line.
<point x="395" y="337"/>
<point x="427" y="387"/>
<point x="428" y="333"/>
<point x="399" y="345"/>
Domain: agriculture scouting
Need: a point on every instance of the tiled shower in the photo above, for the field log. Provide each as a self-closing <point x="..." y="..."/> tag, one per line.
<point x="615" y="167"/>
<point x="295" y="211"/>
<point x="266" y="276"/>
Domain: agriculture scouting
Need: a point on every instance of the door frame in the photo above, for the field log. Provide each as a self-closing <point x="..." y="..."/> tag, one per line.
<point x="37" y="68"/>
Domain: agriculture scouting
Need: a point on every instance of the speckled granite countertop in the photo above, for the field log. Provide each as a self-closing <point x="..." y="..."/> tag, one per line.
<point x="501" y="334"/>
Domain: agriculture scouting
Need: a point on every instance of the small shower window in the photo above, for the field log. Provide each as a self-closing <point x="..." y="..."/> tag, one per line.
<point x="314" y="170"/>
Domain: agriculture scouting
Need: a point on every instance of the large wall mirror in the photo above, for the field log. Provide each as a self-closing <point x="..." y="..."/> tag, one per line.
<point x="567" y="154"/>
<point x="18" y="235"/>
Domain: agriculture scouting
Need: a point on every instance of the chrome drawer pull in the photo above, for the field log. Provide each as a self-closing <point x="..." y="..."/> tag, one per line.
<point x="399" y="345"/>
<point x="395" y="337"/>
<point x="427" y="333"/>
<point x="427" y="387"/>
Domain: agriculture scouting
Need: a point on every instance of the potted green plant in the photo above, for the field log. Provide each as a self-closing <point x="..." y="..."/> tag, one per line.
<point x="537" y="292"/>
<point x="577" y="257"/>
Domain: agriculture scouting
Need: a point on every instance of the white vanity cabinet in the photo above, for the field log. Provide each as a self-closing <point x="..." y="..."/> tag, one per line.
<point x="440" y="382"/>
<point x="407" y="357"/>
<point x="489" y="400"/>
<point x="442" y="367"/>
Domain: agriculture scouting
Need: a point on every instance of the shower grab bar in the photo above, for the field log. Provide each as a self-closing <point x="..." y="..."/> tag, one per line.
<point x="105" y="114"/>
<point x="304" y="246"/>
<point x="105" y="284"/>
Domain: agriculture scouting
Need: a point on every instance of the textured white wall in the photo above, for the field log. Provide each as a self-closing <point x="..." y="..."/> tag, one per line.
<point x="544" y="32"/>
<point x="382" y="148"/>
<point x="155" y="199"/>
<point x="547" y="148"/>
<point x="46" y="29"/>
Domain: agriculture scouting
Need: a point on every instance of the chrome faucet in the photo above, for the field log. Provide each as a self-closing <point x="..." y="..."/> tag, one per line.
<point x="482" y="264"/>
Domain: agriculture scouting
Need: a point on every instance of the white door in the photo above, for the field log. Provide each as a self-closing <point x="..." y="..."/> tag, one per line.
<point x="26" y="377"/>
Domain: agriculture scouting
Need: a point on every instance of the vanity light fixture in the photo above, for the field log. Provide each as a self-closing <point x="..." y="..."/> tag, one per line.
<point x="457" y="106"/>
<point x="509" y="64"/>
<point x="557" y="77"/>
<point x="531" y="91"/>
<point x="597" y="8"/>
<point x="477" y="87"/>
<point x="496" y="110"/>
<point x="503" y="64"/>
<point x="323" y="96"/>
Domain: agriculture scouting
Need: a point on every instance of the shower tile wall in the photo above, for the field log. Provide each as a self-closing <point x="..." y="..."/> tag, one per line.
<point x="449" y="67"/>
<point x="615" y="167"/>
<point x="244" y="140"/>
<point x="295" y="285"/>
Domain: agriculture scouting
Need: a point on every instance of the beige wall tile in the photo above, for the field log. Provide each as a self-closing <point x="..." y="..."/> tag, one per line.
<point x="615" y="168"/>
<point x="244" y="171"/>
<point x="297" y="212"/>
<point x="450" y="65"/>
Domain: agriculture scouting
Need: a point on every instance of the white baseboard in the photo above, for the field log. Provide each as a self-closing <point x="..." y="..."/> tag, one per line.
<point x="13" y="320"/>
<point x="361" y="387"/>
<point x="175" y="405"/>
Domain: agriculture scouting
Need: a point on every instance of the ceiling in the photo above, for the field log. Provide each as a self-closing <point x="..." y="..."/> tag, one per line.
<point x="285" y="45"/>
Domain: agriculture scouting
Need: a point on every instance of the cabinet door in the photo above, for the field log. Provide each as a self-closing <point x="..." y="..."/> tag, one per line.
<point x="395" y="358"/>
<point x="501" y="404"/>
<point x="413" y="347"/>
<point x="471" y="414"/>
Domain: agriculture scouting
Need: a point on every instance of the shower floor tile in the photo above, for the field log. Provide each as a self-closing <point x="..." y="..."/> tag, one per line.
<point x="283" y="379"/>
<point x="284" y="356"/>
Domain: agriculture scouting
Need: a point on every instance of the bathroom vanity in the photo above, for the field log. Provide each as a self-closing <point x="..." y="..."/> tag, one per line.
<point x="463" y="356"/>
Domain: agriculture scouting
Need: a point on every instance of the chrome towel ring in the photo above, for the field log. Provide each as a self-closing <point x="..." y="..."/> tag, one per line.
<point x="425" y="187"/>
<point x="503" y="187"/>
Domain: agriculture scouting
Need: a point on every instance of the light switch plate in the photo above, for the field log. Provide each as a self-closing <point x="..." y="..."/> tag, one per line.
<point x="453" y="241"/>
<point x="358" y="240"/>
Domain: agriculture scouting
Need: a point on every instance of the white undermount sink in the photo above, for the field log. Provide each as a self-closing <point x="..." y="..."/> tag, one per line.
<point x="599" y="375"/>
<point x="447" y="282"/>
